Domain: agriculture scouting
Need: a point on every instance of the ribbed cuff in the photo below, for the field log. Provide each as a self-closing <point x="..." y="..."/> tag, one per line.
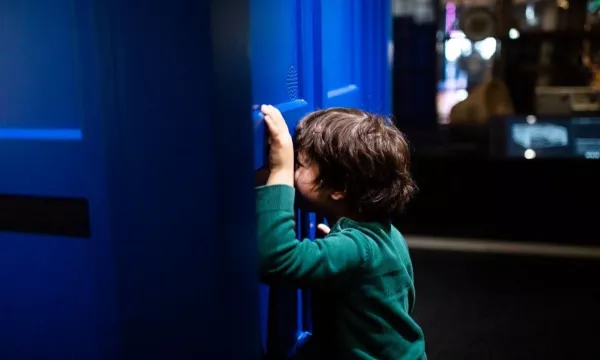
<point x="275" y="198"/>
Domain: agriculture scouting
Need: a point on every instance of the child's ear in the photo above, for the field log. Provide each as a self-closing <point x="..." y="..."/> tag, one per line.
<point x="337" y="195"/>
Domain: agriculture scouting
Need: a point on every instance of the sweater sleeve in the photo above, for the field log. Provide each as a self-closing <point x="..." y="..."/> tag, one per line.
<point x="284" y="259"/>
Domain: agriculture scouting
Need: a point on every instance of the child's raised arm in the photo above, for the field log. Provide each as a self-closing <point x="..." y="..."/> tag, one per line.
<point x="284" y="259"/>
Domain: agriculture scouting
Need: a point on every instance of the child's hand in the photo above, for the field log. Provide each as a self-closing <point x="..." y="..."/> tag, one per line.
<point x="324" y="229"/>
<point x="281" y="157"/>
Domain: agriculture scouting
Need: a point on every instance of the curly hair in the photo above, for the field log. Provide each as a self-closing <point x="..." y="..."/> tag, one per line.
<point x="363" y="155"/>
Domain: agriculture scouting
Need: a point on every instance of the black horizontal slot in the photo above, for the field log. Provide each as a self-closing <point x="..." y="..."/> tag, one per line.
<point x="58" y="216"/>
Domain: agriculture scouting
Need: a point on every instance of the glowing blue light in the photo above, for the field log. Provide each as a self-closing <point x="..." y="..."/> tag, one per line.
<point x="41" y="134"/>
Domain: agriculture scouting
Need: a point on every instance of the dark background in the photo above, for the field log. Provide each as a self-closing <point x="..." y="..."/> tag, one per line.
<point x="491" y="306"/>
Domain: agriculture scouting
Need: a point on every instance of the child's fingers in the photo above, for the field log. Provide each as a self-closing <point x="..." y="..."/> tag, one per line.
<point x="264" y="109"/>
<point x="271" y="125"/>
<point x="274" y="113"/>
<point x="268" y="121"/>
<point x="323" y="228"/>
<point x="278" y="130"/>
<point x="270" y="111"/>
<point x="276" y="127"/>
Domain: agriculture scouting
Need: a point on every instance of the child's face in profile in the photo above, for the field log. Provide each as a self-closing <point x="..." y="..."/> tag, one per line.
<point x="312" y="198"/>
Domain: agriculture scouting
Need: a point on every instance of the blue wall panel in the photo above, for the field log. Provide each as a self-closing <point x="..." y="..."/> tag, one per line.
<point x="182" y="216"/>
<point x="281" y="53"/>
<point x="138" y="108"/>
<point x="282" y="75"/>
<point x="307" y="55"/>
<point x="56" y="300"/>
<point x="128" y="105"/>
<point x="376" y="64"/>
<point x="341" y="60"/>
<point x="38" y="52"/>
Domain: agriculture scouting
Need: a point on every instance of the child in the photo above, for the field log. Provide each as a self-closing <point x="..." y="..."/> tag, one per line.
<point x="353" y="168"/>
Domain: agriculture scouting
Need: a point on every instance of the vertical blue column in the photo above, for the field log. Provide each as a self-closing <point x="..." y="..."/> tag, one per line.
<point x="179" y="158"/>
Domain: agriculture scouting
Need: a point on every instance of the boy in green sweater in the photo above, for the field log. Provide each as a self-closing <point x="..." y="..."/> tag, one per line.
<point x="353" y="168"/>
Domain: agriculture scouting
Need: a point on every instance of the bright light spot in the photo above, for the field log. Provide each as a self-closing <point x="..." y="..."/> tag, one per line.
<point x="453" y="49"/>
<point x="513" y="34"/>
<point x="530" y="16"/>
<point x="457" y="34"/>
<point x="456" y="47"/>
<point x="530" y="119"/>
<point x="461" y="94"/>
<point x="529" y="154"/>
<point x="529" y="12"/>
<point x="466" y="47"/>
<point x="486" y="47"/>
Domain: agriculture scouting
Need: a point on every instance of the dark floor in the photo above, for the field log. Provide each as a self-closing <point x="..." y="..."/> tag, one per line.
<point x="487" y="307"/>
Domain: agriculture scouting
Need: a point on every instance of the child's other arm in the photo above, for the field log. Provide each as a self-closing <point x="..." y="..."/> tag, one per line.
<point x="284" y="259"/>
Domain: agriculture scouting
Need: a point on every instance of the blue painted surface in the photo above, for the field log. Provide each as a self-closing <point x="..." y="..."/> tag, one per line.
<point x="282" y="75"/>
<point x="308" y="55"/>
<point x="129" y="104"/>
<point x="56" y="294"/>
<point x="40" y="64"/>
<point x="342" y="59"/>
<point x="281" y="55"/>
<point x="186" y="245"/>
<point x="137" y="107"/>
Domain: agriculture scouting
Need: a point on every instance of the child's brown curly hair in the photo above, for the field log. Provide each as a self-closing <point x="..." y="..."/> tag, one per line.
<point x="363" y="155"/>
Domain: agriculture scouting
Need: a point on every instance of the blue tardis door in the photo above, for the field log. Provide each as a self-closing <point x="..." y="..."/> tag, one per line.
<point x="308" y="55"/>
<point x="126" y="192"/>
<point x="56" y="278"/>
<point x="282" y="57"/>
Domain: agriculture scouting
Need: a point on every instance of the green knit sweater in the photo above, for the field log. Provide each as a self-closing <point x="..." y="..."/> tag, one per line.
<point x="360" y="277"/>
